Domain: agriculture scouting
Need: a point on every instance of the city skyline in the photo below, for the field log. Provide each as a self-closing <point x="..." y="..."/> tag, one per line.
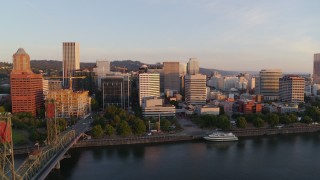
<point x="222" y="35"/>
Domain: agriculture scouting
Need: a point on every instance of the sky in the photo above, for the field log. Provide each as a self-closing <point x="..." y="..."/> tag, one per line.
<point x="223" y="34"/>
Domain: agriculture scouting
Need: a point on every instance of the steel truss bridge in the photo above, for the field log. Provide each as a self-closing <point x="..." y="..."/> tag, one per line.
<point x="40" y="163"/>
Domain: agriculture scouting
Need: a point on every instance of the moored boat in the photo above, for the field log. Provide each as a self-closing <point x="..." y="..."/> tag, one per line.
<point x="221" y="136"/>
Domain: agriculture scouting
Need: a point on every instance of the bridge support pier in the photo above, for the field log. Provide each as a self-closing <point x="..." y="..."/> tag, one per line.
<point x="57" y="165"/>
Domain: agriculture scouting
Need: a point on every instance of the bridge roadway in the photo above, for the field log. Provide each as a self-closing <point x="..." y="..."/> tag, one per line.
<point x="51" y="155"/>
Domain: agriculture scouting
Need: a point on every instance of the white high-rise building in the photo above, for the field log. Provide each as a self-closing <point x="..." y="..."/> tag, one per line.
<point x="149" y="85"/>
<point x="71" y="60"/>
<point x="193" y="66"/>
<point x="195" y="89"/>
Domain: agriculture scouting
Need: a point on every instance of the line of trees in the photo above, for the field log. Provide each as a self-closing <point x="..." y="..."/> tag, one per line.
<point x="212" y="121"/>
<point x="116" y="121"/>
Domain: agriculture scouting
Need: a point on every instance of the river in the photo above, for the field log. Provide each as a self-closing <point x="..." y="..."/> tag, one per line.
<point x="272" y="157"/>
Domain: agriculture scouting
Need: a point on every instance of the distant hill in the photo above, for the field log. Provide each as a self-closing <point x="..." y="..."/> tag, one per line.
<point x="225" y="73"/>
<point x="54" y="67"/>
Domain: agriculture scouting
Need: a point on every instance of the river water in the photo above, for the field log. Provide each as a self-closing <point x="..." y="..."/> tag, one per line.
<point x="272" y="157"/>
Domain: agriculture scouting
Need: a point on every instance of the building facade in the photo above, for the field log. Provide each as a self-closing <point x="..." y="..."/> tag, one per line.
<point x="157" y="68"/>
<point x="116" y="91"/>
<point x="87" y="82"/>
<point x="71" y="60"/>
<point x="267" y="84"/>
<point x="171" y="72"/>
<point x="69" y="103"/>
<point x="316" y="68"/>
<point x="154" y="107"/>
<point x="101" y="70"/>
<point x="149" y="86"/>
<point x="195" y="89"/>
<point x="193" y="66"/>
<point x="26" y="87"/>
<point x="292" y="89"/>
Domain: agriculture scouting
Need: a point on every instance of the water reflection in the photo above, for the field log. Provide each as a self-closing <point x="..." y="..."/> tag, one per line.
<point x="265" y="157"/>
<point x="220" y="145"/>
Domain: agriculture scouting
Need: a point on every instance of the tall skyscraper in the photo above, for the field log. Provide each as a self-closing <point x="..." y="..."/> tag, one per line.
<point x="116" y="90"/>
<point x="195" y="89"/>
<point x="291" y="89"/>
<point x="71" y="60"/>
<point x="267" y="84"/>
<point x="171" y="72"/>
<point x="193" y="66"/>
<point x="26" y="87"/>
<point x="149" y="85"/>
<point x="316" y="68"/>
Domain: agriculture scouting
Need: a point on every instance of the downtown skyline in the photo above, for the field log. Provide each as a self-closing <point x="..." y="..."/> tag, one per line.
<point x="234" y="35"/>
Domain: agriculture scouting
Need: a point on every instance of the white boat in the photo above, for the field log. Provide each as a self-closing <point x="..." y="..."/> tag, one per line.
<point x="221" y="136"/>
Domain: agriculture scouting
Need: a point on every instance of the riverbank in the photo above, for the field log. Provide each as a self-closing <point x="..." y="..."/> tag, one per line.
<point x="177" y="138"/>
<point x="134" y="140"/>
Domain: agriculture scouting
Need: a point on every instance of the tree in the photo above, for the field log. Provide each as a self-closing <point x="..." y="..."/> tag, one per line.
<point x="285" y="119"/>
<point x="94" y="104"/>
<point x="306" y="119"/>
<point x="62" y="124"/>
<point x="110" y="130"/>
<point x="124" y="129"/>
<point x="116" y="121"/>
<point x="97" y="131"/>
<point x="241" y="122"/>
<point x="258" y="122"/>
<point x="223" y="122"/>
<point x="273" y="119"/>
<point x="138" y="127"/>
<point x="165" y="125"/>
<point x="221" y="110"/>
<point x="293" y="118"/>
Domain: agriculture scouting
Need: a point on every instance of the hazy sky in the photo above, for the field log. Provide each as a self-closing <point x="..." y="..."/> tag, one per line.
<point x="222" y="34"/>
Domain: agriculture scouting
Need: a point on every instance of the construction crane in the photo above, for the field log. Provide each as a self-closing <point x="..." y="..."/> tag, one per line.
<point x="70" y="79"/>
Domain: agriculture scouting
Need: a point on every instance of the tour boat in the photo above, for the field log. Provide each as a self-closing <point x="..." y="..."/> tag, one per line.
<point x="221" y="136"/>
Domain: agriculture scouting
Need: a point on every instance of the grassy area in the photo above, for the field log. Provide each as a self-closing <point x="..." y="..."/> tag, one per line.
<point x="20" y="137"/>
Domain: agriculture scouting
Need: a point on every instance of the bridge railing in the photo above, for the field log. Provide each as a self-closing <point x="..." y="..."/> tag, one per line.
<point x="36" y="161"/>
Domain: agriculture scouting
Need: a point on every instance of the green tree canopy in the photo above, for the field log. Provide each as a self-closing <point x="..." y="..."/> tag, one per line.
<point x="273" y="119"/>
<point x="97" y="131"/>
<point x="241" y="122"/>
<point x="124" y="129"/>
<point x="138" y="127"/>
<point x="223" y="122"/>
<point x="258" y="122"/>
<point x="110" y="130"/>
<point x="306" y="119"/>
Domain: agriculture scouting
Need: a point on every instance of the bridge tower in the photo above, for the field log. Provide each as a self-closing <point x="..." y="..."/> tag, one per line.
<point x="6" y="148"/>
<point x="52" y="129"/>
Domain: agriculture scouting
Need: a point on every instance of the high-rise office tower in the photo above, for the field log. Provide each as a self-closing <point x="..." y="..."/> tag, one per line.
<point x="116" y="90"/>
<point x="26" y="87"/>
<point x="71" y="60"/>
<point x="157" y="68"/>
<point x="291" y="89"/>
<point x="316" y="68"/>
<point x="267" y="84"/>
<point x="149" y="85"/>
<point x="195" y="89"/>
<point x="193" y="66"/>
<point x="171" y="72"/>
